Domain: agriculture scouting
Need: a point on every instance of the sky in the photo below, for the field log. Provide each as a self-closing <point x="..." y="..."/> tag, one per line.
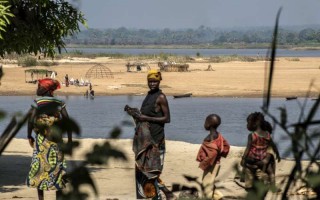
<point x="181" y="14"/>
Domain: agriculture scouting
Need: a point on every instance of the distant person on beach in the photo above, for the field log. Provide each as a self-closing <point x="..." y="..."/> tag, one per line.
<point x="90" y="87"/>
<point x="257" y="157"/>
<point x="149" y="140"/>
<point x="48" y="165"/>
<point x="66" y="79"/>
<point x="91" y="94"/>
<point x="86" y="94"/>
<point x="91" y="91"/>
<point x="213" y="147"/>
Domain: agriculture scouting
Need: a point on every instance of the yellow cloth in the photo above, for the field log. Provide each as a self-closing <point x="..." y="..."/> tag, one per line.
<point x="154" y="74"/>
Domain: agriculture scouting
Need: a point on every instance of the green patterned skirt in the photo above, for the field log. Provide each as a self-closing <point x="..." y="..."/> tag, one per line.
<point x="48" y="165"/>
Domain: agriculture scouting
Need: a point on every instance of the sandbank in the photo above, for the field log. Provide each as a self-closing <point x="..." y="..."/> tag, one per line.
<point x="292" y="77"/>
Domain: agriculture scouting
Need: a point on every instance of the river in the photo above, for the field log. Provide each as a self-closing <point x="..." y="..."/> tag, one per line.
<point x="99" y="116"/>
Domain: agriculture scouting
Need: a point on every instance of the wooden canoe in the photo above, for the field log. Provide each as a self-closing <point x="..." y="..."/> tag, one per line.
<point x="291" y="98"/>
<point x="182" y="95"/>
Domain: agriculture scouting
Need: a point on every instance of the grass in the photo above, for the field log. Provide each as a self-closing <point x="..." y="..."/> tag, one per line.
<point x="293" y="59"/>
<point x="27" y="61"/>
<point x="220" y="59"/>
<point x="167" y="57"/>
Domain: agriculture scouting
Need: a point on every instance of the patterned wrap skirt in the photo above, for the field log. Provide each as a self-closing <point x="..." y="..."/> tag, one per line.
<point x="48" y="165"/>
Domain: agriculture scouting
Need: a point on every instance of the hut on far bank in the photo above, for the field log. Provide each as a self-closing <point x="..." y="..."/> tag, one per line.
<point x="137" y="67"/>
<point x="99" y="71"/>
<point x="173" y="67"/>
<point x="32" y="75"/>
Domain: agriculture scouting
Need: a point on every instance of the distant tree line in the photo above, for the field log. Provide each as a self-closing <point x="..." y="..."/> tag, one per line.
<point x="199" y="36"/>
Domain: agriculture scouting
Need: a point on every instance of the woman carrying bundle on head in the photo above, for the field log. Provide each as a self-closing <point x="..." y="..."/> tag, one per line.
<point x="48" y="165"/>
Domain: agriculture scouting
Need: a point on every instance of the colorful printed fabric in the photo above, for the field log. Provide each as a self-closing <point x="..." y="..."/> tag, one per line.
<point x="147" y="154"/>
<point x="48" y="105"/>
<point x="149" y="188"/>
<point x="48" y="164"/>
<point x="149" y="158"/>
<point x="259" y="146"/>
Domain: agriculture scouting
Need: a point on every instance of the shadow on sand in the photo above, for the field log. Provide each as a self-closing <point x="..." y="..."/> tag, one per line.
<point x="13" y="171"/>
<point x="15" y="168"/>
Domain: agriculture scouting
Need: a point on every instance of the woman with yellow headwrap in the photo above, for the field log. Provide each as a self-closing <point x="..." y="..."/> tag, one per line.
<point x="154" y="114"/>
<point x="154" y="74"/>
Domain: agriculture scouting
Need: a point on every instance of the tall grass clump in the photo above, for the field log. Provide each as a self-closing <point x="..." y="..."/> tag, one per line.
<point x="77" y="52"/>
<point x="293" y="59"/>
<point x="11" y="56"/>
<point x="113" y="55"/>
<point x="163" y="56"/>
<point x="235" y="57"/>
<point x="27" y="61"/>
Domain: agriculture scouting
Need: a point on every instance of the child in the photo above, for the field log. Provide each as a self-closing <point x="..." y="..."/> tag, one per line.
<point x="212" y="149"/>
<point x="257" y="154"/>
<point x="269" y="164"/>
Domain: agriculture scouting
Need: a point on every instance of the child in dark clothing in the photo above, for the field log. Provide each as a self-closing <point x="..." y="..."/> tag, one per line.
<point x="212" y="149"/>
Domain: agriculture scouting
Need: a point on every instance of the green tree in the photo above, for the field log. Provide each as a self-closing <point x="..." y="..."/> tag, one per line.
<point x="4" y="14"/>
<point x="37" y="26"/>
<point x="306" y="34"/>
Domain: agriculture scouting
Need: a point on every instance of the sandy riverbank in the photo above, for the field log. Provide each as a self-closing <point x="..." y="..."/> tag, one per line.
<point x="230" y="79"/>
<point x="116" y="180"/>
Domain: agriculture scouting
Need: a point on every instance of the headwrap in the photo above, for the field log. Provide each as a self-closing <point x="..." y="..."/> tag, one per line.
<point x="154" y="74"/>
<point x="48" y="84"/>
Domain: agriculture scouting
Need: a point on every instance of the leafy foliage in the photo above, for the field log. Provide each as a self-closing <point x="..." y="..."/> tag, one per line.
<point x="11" y="130"/>
<point x="301" y="136"/>
<point x="38" y="26"/>
<point x="80" y="175"/>
<point x="304" y="143"/>
<point x="4" y="15"/>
